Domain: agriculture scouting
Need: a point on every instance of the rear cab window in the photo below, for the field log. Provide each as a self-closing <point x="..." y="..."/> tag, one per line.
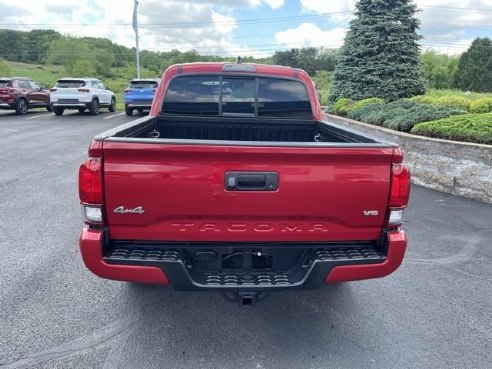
<point x="237" y="96"/>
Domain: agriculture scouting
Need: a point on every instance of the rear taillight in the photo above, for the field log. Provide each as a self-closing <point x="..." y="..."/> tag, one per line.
<point x="90" y="189"/>
<point x="53" y="90"/>
<point x="399" y="194"/>
<point x="127" y="91"/>
<point x="83" y="90"/>
<point x="400" y="186"/>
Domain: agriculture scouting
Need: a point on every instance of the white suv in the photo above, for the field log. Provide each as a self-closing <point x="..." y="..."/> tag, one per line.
<point x="81" y="94"/>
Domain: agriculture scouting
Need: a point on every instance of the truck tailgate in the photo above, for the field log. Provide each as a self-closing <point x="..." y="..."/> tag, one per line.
<point x="165" y="192"/>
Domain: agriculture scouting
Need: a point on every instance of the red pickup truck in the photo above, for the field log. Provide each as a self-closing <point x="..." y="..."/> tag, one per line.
<point x="236" y="183"/>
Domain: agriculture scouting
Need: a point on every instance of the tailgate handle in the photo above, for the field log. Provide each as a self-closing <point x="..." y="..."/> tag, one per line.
<point x="251" y="181"/>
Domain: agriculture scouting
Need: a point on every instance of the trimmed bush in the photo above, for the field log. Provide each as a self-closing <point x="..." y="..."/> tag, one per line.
<point x="424" y="99"/>
<point x="450" y="101"/>
<point x="366" y="112"/>
<point x="361" y="103"/>
<point x="481" y="106"/>
<point x="401" y="115"/>
<point x="342" y="106"/>
<point x="454" y="102"/>
<point x="468" y="127"/>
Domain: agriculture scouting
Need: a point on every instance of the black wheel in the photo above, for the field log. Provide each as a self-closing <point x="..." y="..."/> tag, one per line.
<point x="48" y="107"/>
<point x="129" y="112"/>
<point x="112" y="107"/>
<point x="81" y="110"/>
<point x="58" y="110"/>
<point x="94" y="108"/>
<point x="21" y="107"/>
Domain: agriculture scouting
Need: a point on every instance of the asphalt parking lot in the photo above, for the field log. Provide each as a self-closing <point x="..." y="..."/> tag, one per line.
<point x="434" y="312"/>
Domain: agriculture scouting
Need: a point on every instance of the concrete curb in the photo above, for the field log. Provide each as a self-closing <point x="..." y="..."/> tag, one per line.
<point x="458" y="168"/>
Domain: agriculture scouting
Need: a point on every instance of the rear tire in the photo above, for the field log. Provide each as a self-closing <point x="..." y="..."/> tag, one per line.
<point x="58" y="111"/>
<point x="112" y="107"/>
<point x="129" y="112"/>
<point x="94" y="108"/>
<point x="81" y="110"/>
<point x="48" y="107"/>
<point x="21" y="108"/>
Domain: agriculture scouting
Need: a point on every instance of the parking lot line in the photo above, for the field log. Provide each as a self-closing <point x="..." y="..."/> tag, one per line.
<point x="37" y="116"/>
<point x="112" y="116"/>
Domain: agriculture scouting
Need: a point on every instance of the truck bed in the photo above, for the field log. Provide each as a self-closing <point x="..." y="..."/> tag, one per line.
<point x="239" y="129"/>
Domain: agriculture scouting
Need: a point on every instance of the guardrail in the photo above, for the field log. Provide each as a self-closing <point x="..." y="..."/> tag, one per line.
<point x="459" y="168"/>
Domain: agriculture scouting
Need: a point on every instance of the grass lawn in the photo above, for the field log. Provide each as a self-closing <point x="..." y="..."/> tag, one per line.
<point x="471" y="95"/>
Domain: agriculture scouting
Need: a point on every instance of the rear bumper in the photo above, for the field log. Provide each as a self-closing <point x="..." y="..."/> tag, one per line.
<point x="71" y="105"/>
<point x="172" y="265"/>
<point x="142" y="105"/>
<point x="91" y="248"/>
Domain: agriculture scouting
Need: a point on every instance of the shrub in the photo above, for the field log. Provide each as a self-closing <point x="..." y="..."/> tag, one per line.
<point x="404" y="120"/>
<point x="330" y="107"/>
<point x="361" y="103"/>
<point x="449" y="101"/>
<point x="424" y="99"/>
<point x="481" y="106"/>
<point x="342" y="106"/>
<point x="401" y="115"/>
<point x="362" y="113"/>
<point x="468" y="127"/>
<point x="454" y="102"/>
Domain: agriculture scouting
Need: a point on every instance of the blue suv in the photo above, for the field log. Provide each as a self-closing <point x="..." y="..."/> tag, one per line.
<point x="139" y="94"/>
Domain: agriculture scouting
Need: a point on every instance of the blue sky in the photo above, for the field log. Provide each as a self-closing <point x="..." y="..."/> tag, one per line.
<point x="239" y="27"/>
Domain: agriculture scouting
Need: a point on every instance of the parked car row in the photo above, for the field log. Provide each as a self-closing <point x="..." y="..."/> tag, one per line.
<point x="21" y="94"/>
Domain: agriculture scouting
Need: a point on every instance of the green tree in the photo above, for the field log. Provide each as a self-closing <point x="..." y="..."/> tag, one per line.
<point x="83" y="68"/>
<point x="439" y="69"/>
<point x="4" y="68"/>
<point x="475" y="67"/>
<point x="37" y="44"/>
<point x="12" y="45"/>
<point x="380" y="56"/>
<point x="322" y="79"/>
<point x="309" y="59"/>
<point x="67" y="51"/>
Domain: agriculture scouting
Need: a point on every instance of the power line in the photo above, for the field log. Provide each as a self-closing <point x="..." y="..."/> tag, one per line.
<point x="222" y="23"/>
<point x="453" y="8"/>
<point x="182" y="24"/>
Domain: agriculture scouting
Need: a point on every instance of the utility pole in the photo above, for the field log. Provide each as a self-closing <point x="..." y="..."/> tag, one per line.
<point x="135" y="28"/>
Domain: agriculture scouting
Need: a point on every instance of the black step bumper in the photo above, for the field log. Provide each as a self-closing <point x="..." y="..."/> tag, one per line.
<point x="244" y="267"/>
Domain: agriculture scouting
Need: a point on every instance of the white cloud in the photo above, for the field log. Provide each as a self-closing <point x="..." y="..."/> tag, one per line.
<point x="309" y="34"/>
<point x="204" y="25"/>
<point x="274" y="4"/>
<point x="340" y="9"/>
<point x="209" y="25"/>
<point x="443" y="22"/>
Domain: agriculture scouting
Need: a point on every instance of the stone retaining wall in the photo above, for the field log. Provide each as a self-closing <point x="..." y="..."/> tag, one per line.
<point x="459" y="168"/>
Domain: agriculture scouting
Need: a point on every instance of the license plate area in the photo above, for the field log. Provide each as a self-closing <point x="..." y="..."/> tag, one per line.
<point x="245" y="259"/>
